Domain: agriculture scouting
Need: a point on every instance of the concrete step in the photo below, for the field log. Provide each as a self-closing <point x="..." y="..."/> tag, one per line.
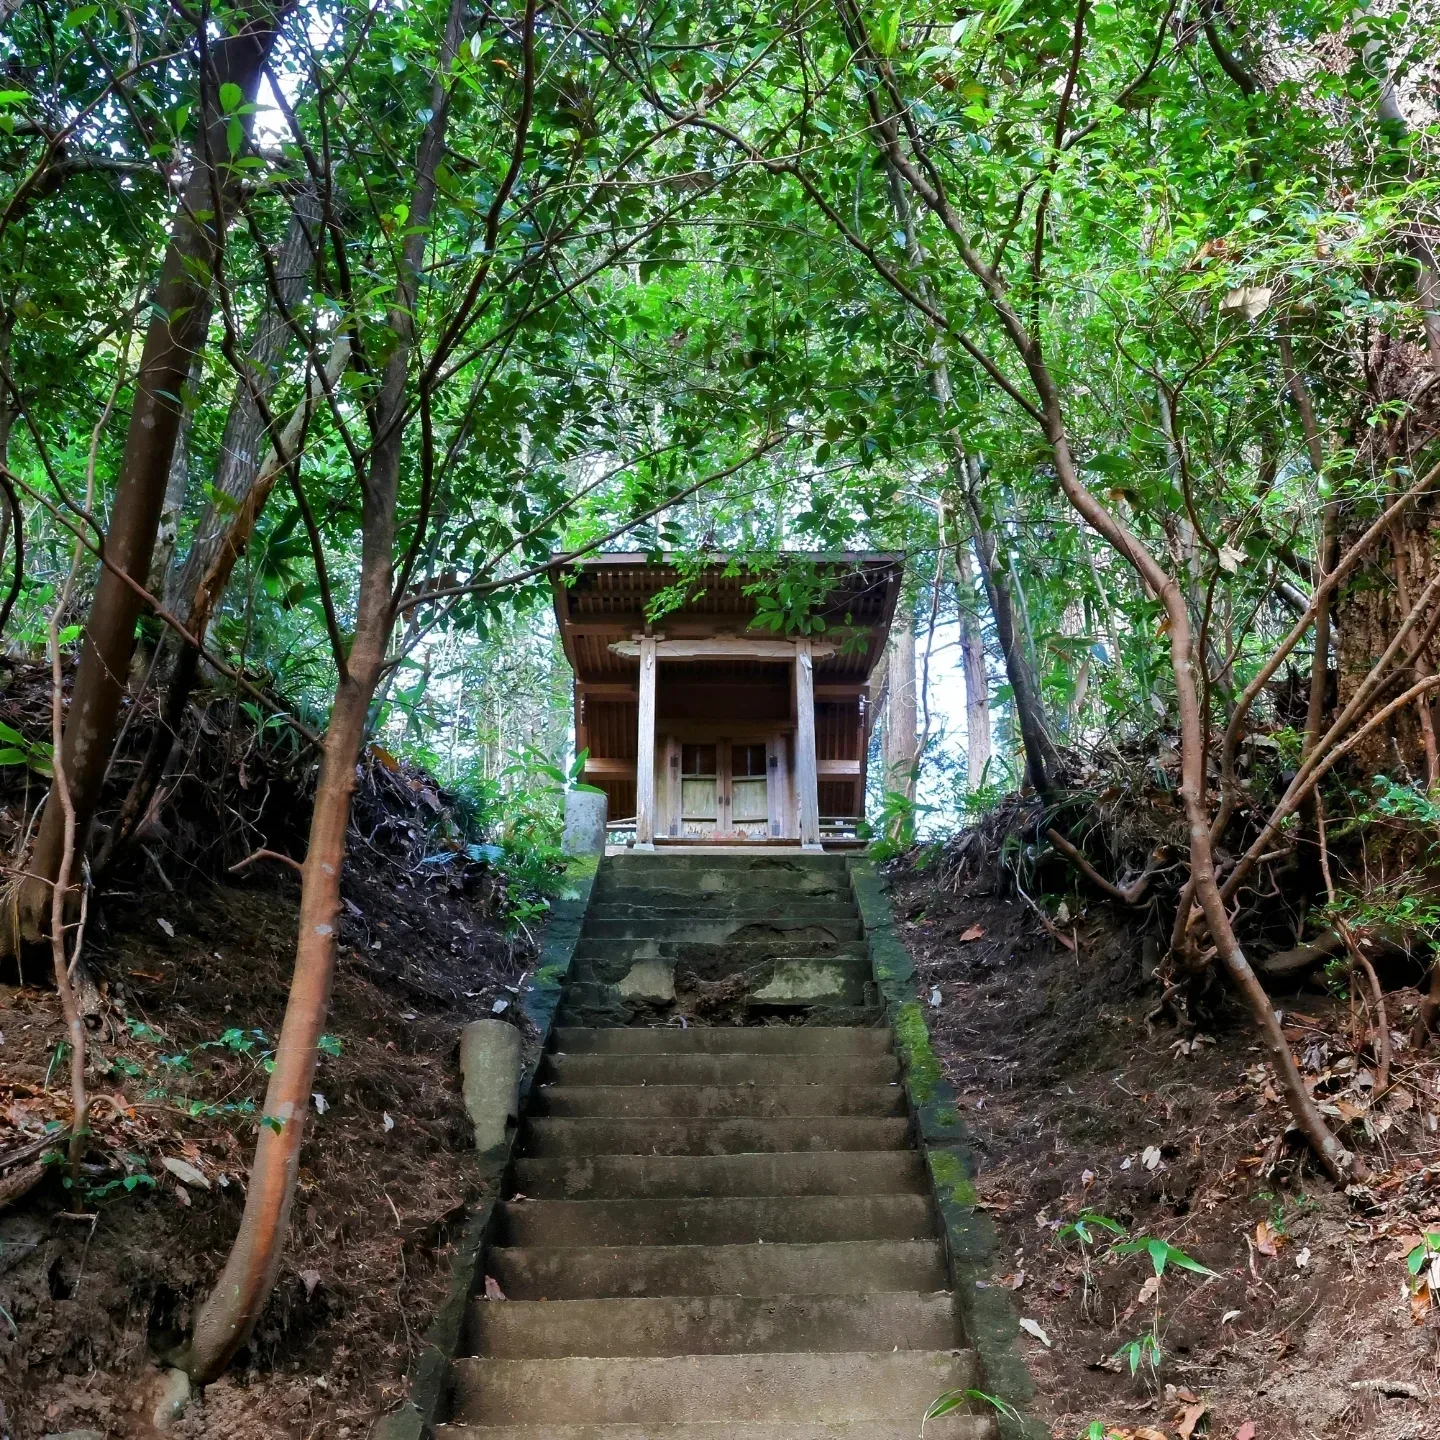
<point x="715" y="1102"/>
<point x="710" y="1325"/>
<point x="949" y="1427"/>
<point x="758" y="908"/>
<point x="708" y="885"/>
<point x="724" y="1040"/>
<point x="573" y="1138"/>
<point x="612" y="968"/>
<point x="590" y="1272"/>
<point x="771" y="1389"/>
<point x="689" y="863"/>
<point x="728" y="930"/>
<point x="726" y="1220"/>
<point x="637" y="1070"/>
<point x="601" y="992"/>
<point x="707" y="959"/>
<point x="619" y="1177"/>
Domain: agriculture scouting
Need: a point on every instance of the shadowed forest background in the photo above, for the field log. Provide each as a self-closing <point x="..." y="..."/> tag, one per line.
<point x="326" y="326"/>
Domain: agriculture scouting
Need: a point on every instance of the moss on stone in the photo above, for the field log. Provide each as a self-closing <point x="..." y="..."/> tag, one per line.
<point x="912" y="1035"/>
<point x="581" y="867"/>
<point x="950" y="1177"/>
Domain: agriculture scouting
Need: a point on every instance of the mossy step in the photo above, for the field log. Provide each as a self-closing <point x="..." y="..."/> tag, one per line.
<point x="715" y="1102"/>
<point x="733" y="1069"/>
<point x="710" y="1325"/>
<point x="715" y="1220"/>
<point x="554" y="1138"/>
<point x="690" y="928"/>
<point x="846" y="1267"/>
<point x="948" y="1427"/>
<point x="819" y="1172"/>
<point x="724" y="1040"/>
<point x="784" y="1388"/>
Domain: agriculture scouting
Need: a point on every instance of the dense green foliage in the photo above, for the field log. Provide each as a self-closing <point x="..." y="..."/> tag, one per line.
<point x="702" y="256"/>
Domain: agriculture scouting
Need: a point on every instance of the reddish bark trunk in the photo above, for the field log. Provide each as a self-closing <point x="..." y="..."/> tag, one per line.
<point x="229" y="1314"/>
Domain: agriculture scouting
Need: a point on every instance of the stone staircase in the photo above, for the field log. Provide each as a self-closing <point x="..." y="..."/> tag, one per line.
<point x="718" y="1232"/>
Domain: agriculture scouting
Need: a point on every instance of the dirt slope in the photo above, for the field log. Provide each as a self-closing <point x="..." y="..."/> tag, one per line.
<point x="1305" y="1330"/>
<point x="193" y="968"/>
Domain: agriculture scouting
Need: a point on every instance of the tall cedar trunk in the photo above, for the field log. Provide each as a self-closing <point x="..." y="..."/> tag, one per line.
<point x="167" y="531"/>
<point x="1369" y="609"/>
<point x="977" y="681"/>
<point x="900" y="711"/>
<point x="1042" y="760"/>
<point x="171" y="344"/>
<point x="229" y="1315"/>
<point x="7" y="329"/>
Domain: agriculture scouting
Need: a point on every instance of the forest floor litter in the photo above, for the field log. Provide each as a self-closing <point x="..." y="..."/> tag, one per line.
<point x="1309" y="1326"/>
<point x="193" y="976"/>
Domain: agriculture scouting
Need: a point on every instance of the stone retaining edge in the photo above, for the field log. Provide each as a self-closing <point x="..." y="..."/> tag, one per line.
<point x="986" y="1311"/>
<point x="430" y="1375"/>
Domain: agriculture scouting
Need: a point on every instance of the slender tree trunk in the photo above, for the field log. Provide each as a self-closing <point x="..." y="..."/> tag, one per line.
<point x="176" y="334"/>
<point x="1042" y="760"/>
<point x="977" y="680"/>
<point x="243" y="445"/>
<point x="177" y="483"/>
<point x="900" y="716"/>
<point x="197" y="614"/>
<point x="229" y="1315"/>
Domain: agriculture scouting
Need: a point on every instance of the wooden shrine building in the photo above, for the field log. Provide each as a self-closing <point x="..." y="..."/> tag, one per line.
<point x="708" y="728"/>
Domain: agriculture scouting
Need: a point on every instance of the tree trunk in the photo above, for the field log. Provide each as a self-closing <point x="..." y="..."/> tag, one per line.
<point x="242" y="445"/>
<point x="177" y="483"/>
<point x="977" y="680"/>
<point x="176" y="334"/>
<point x="1042" y="760"/>
<point x="229" y="1315"/>
<point x="200" y="609"/>
<point x="900" y="720"/>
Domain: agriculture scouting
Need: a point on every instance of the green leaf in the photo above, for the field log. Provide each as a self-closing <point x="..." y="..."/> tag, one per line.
<point x="231" y="98"/>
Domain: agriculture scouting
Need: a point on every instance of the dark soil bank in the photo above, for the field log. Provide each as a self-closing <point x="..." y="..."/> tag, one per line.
<point x="1302" y="1326"/>
<point x="94" y="1282"/>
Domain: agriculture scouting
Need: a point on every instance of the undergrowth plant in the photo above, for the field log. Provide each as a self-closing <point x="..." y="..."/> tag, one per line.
<point x="1092" y="1229"/>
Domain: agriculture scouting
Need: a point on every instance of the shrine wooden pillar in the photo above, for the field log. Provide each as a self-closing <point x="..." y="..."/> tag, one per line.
<point x="807" y="769"/>
<point x="645" y="749"/>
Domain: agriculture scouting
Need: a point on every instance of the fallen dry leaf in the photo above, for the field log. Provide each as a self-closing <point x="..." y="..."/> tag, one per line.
<point x="1033" y="1327"/>
<point x="1013" y="1282"/>
<point x="1246" y="1431"/>
<point x="975" y="932"/>
<point x="1267" y="1238"/>
<point x="493" y="1290"/>
<point x="1189" y="1419"/>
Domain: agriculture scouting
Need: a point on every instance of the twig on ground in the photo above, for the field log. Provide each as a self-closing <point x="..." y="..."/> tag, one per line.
<point x="263" y="854"/>
<point x="1132" y="894"/>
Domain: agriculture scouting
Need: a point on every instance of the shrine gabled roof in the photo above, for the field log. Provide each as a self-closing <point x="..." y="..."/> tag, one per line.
<point x="605" y="598"/>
